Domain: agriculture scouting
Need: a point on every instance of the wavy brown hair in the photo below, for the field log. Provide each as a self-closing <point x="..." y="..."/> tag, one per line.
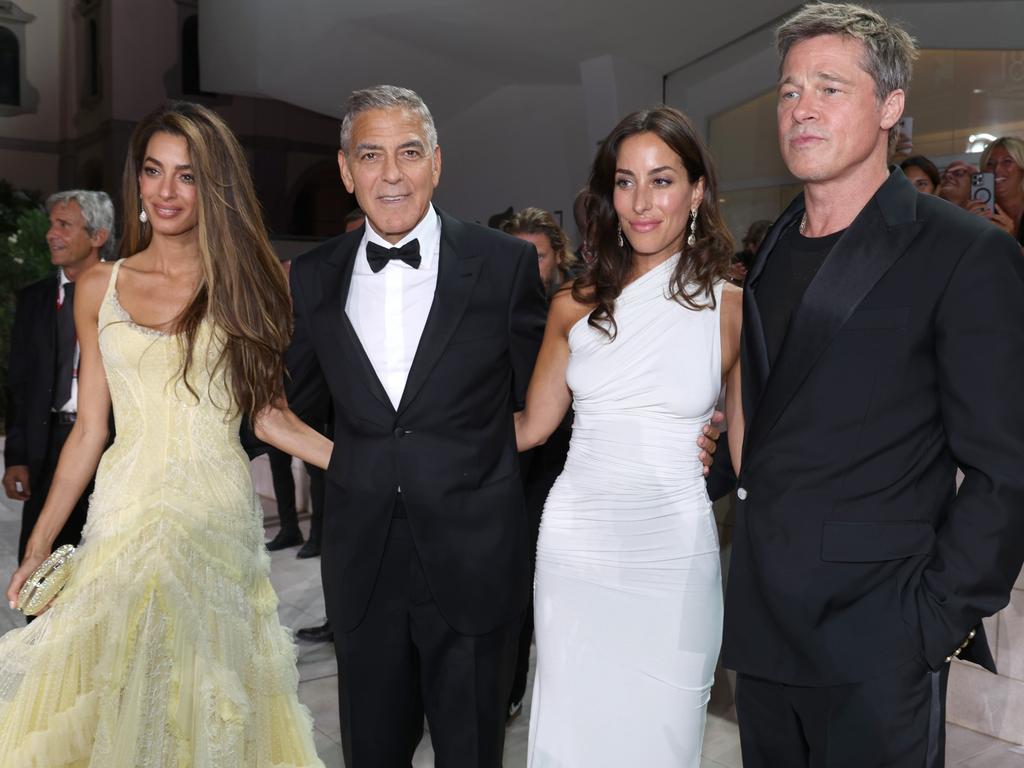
<point x="242" y="287"/>
<point x="699" y="267"/>
<point x="537" y="221"/>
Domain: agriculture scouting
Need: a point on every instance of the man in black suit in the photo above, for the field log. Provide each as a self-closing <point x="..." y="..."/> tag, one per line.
<point x="43" y="369"/>
<point x="423" y="330"/>
<point x="883" y="346"/>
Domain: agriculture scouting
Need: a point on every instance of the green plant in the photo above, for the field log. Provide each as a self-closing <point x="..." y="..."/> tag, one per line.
<point x="24" y="258"/>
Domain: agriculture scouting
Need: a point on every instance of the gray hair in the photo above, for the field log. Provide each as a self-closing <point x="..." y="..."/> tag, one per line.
<point x="97" y="210"/>
<point x="890" y="51"/>
<point x="386" y="97"/>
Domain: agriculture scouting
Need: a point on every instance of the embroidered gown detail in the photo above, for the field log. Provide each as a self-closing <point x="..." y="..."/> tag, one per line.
<point x="165" y="649"/>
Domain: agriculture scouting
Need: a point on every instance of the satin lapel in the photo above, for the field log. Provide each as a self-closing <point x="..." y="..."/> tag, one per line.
<point x="875" y="240"/>
<point x="336" y="280"/>
<point x="456" y="276"/>
<point x="754" y="347"/>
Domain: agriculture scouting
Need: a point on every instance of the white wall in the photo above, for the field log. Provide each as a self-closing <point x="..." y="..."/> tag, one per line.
<point x="520" y="146"/>
<point x="44" y="54"/>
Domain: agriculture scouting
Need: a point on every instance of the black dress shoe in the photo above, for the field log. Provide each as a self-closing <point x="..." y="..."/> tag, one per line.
<point x="321" y="634"/>
<point x="285" y="539"/>
<point x="310" y="549"/>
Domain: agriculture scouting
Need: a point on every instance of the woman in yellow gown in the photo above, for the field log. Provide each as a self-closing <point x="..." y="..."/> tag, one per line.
<point x="165" y="649"/>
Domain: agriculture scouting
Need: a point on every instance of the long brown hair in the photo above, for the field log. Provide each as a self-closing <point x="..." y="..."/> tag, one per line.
<point x="700" y="266"/>
<point x="242" y="287"/>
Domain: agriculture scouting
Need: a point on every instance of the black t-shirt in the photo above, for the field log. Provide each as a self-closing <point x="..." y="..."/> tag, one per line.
<point x="791" y="266"/>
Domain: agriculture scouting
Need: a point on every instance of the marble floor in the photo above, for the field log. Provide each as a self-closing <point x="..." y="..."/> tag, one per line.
<point x="302" y="604"/>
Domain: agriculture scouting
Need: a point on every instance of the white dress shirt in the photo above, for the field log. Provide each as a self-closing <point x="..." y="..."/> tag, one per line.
<point x="71" y="406"/>
<point x="389" y="309"/>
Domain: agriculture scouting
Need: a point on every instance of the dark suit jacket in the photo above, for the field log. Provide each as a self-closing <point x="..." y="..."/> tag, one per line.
<point x="450" y="445"/>
<point x="852" y="552"/>
<point x="30" y="375"/>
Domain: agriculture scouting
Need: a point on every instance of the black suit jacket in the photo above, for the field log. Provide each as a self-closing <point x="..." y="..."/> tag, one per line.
<point x="30" y="375"/>
<point x="450" y="445"/>
<point x="852" y="552"/>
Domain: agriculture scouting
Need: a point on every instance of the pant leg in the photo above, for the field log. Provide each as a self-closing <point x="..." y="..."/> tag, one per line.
<point x="896" y="720"/>
<point x="466" y="682"/>
<point x="284" y="488"/>
<point x="771" y="734"/>
<point x="317" y="488"/>
<point x="378" y="681"/>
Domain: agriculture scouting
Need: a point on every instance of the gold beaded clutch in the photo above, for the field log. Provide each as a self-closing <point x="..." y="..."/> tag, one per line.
<point x="46" y="581"/>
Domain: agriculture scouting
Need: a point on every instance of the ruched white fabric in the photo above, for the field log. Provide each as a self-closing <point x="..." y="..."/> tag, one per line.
<point x="164" y="650"/>
<point x="628" y="601"/>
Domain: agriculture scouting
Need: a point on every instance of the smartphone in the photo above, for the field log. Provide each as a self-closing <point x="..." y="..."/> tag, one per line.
<point x="983" y="187"/>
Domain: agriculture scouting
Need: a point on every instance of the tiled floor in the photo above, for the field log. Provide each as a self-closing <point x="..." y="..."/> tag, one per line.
<point x="302" y="604"/>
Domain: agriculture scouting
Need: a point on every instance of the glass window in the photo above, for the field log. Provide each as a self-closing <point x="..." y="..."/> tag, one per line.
<point x="959" y="101"/>
<point x="10" y="66"/>
<point x="92" y="83"/>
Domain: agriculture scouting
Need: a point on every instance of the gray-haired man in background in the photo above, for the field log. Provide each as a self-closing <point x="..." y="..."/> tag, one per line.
<point x="42" y="396"/>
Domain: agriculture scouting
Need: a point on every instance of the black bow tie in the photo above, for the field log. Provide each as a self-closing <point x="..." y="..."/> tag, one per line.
<point x="378" y="256"/>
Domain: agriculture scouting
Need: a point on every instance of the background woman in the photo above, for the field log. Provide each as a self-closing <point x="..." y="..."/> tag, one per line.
<point x="922" y="173"/>
<point x="628" y="603"/>
<point x="1004" y="159"/>
<point x="165" y="648"/>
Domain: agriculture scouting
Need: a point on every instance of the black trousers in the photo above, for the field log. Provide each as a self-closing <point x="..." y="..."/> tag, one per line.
<point x="894" y="721"/>
<point x="39" y="484"/>
<point x="317" y="489"/>
<point x="284" y="491"/>
<point x="284" y="488"/>
<point x="404" y="661"/>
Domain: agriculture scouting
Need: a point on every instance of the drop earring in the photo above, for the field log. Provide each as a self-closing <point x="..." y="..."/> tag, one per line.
<point x="622" y="242"/>
<point x="692" y="239"/>
<point x="142" y="213"/>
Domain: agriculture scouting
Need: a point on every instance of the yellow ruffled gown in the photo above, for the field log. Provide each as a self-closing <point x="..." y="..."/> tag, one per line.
<point x="164" y="649"/>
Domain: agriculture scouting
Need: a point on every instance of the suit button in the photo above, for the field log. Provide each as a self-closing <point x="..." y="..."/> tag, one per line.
<point x="401" y="432"/>
<point x="741" y="493"/>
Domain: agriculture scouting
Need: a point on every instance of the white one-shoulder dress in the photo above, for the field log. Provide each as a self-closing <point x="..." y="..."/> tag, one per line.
<point x="628" y="601"/>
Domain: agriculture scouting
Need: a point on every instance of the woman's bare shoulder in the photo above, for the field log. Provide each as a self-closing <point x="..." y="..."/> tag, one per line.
<point x="92" y="284"/>
<point x="566" y="309"/>
<point x="732" y="311"/>
<point x="732" y="302"/>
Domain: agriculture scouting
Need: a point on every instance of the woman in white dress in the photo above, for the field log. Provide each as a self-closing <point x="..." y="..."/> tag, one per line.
<point x="628" y="602"/>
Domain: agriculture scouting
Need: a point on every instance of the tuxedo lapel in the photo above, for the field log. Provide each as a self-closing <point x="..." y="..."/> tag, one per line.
<point x="875" y="240"/>
<point x="336" y="280"/>
<point x="456" y="275"/>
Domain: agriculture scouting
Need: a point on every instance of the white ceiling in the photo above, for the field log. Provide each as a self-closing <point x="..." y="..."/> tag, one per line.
<point x="312" y="53"/>
<point x="453" y="52"/>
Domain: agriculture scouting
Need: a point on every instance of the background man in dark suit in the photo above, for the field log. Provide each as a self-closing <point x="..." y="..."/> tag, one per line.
<point x="423" y="330"/>
<point x="883" y="346"/>
<point x="42" y="397"/>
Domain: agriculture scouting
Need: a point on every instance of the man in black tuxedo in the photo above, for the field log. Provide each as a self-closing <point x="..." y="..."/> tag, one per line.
<point x="43" y="370"/>
<point x="883" y="346"/>
<point x="423" y="330"/>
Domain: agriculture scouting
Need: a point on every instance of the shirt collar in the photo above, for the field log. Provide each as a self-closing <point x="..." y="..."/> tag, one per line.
<point x="63" y="277"/>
